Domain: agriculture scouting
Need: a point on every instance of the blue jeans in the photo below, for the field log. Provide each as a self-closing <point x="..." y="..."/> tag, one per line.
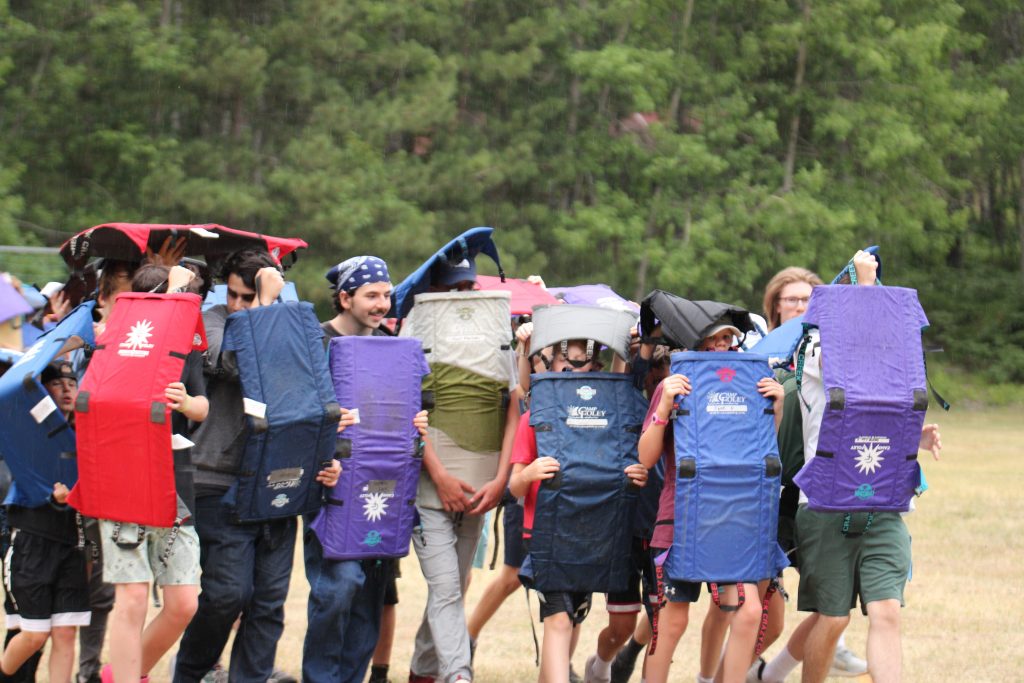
<point x="346" y="599"/>
<point x="246" y="569"/>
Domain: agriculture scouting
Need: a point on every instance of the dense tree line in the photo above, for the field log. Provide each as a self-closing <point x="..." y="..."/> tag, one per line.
<point x="695" y="146"/>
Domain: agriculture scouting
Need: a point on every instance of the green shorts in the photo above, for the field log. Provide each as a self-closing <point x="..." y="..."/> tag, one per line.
<point x="139" y="558"/>
<point x="836" y="568"/>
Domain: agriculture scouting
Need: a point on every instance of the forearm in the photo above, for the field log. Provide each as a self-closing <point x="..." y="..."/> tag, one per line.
<point x="195" y="408"/>
<point x="649" y="448"/>
<point x="511" y="425"/>
<point x="518" y="485"/>
<point x="431" y="462"/>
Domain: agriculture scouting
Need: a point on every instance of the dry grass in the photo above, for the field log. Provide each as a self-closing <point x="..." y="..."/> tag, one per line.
<point x="964" y="605"/>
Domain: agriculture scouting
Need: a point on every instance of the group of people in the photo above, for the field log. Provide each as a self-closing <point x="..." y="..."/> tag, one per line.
<point x="214" y="575"/>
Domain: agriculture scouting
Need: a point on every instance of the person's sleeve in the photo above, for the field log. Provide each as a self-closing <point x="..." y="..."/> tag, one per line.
<point x="653" y="407"/>
<point x="214" y="320"/>
<point x="194" y="381"/>
<point x="513" y="374"/>
<point x="524" y="448"/>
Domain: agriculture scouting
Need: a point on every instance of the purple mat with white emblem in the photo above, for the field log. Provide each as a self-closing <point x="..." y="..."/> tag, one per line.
<point x="875" y="399"/>
<point x="372" y="510"/>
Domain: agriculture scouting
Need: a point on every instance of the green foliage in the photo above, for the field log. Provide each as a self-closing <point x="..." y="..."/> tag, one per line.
<point x="697" y="147"/>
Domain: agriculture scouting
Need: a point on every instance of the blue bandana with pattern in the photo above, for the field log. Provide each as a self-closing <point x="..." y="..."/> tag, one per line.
<point x="357" y="271"/>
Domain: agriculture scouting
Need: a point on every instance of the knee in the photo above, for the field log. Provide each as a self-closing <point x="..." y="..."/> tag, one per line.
<point x="833" y="626"/>
<point x="510" y="582"/>
<point x="748" y="617"/>
<point x="181" y="608"/>
<point x="558" y="623"/>
<point x="225" y="597"/>
<point x="674" y="617"/>
<point x="63" y="637"/>
<point x="884" y="615"/>
<point x="620" y="627"/>
<point x="131" y="601"/>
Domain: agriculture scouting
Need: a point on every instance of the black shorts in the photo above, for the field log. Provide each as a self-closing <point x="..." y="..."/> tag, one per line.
<point x="576" y="605"/>
<point x="630" y="600"/>
<point x="675" y="591"/>
<point x="391" y="589"/>
<point x="512" y="526"/>
<point x="46" y="584"/>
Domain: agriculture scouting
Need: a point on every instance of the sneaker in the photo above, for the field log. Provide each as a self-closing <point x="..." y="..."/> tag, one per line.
<point x="279" y="676"/>
<point x="755" y="670"/>
<point x="217" y="674"/>
<point x="107" y="675"/>
<point x="846" y="664"/>
<point x="573" y="676"/>
<point x="416" y="678"/>
<point x="588" y="672"/>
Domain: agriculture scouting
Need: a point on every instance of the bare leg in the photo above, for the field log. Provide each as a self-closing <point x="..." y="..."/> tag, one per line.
<point x="504" y="584"/>
<point x="180" y="605"/>
<point x="386" y="639"/>
<point x="712" y="633"/>
<point x="554" y="657"/>
<point x="20" y="648"/>
<point x="821" y="647"/>
<point x="62" y="653"/>
<point x="672" y="622"/>
<point x="125" y="630"/>
<point x="615" y="634"/>
<point x="742" y="636"/>
<point x="885" y="654"/>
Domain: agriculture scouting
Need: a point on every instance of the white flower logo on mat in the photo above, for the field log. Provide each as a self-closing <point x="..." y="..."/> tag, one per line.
<point x="140" y="334"/>
<point x="375" y="506"/>
<point x="137" y="345"/>
<point x="869" y="452"/>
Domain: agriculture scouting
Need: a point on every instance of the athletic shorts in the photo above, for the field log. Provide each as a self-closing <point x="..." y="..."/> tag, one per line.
<point x="837" y="568"/>
<point x="630" y="600"/>
<point x="675" y="591"/>
<point x="391" y="589"/>
<point x="46" y="584"/>
<point x="152" y="555"/>
<point x="512" y="526"/>
<point x="576" y="605"/>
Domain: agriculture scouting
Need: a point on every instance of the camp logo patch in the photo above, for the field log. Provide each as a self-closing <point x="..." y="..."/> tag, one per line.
<point x="465" y="331"/>
<point x="136" y="344"/>
<point x="372" y="538"/>
<point x="375" y="496"/>
<point x="280" y="500"/>
<point x="869" y="452"/>
<point x="586" y="417"/>
<point x="586" y="392"/>
<point x="864" y="491"/>
<point x="726" y="374"/>
<point x="725" y="403"/>
<point x="286" y="478"/>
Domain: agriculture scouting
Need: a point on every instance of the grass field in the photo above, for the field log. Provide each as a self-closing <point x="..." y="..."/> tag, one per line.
<point x="965" y="611"/>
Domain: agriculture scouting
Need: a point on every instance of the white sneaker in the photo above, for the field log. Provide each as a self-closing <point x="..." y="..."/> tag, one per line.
<point x="846" y="664"/>
<point x="588" y="672"/>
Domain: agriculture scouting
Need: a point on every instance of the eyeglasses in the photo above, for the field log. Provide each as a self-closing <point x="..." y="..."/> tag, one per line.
<point x="794" y="301"/>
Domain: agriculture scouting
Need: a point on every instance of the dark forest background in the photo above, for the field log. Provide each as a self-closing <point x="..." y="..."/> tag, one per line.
<point x="690" y="145"/>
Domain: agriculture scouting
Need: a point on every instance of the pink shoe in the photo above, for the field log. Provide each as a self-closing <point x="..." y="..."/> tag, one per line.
<point x="107" y="675"/>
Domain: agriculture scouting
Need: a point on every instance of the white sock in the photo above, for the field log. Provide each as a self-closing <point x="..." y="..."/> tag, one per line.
<point x="701" y="679"/>
<point x="601" y="668"/>
<point x="781" y="666"/>
<point x="841" y="645"/>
